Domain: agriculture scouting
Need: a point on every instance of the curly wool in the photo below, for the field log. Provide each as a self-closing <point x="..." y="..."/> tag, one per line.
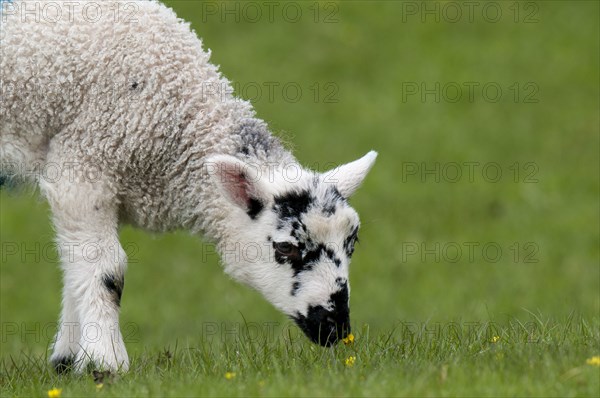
<point x="134" y="98"/>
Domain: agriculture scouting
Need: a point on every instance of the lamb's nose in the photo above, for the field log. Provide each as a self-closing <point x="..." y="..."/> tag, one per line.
<point x="327" y="325"/>
<point x="343" y="329"/>
<point x="334" y="326"/>
<point x="341" y="324"/>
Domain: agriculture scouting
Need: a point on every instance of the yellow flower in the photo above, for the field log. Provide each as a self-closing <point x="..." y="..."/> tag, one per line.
<point x="594" y="361"/>
<point x="350" y="361"/>
<point x="230" y="375"/>
<point x="54" y="393"/>
<point x="495" y="339"/>
<point x="99" y="386"/>
<point x="349" y="339"/>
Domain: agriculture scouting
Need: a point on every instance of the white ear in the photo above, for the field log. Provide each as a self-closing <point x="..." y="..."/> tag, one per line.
<point x="348" y="177"/>
<point x="238" y="181"/>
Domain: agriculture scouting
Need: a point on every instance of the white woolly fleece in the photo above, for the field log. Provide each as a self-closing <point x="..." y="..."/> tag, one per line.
<point x="132" y="97"/>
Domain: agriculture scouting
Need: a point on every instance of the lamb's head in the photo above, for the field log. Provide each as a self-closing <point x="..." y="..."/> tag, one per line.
<point x="290" y="234"/>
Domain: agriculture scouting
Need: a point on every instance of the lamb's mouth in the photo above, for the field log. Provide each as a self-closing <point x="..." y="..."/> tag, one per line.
<point x="322" y="326"/>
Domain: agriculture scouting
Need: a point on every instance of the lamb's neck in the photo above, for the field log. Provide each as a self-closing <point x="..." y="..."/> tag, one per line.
<point x="199" y="204"/>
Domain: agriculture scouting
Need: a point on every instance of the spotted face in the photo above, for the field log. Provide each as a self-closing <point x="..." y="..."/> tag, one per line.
<point x="293" y="242"/>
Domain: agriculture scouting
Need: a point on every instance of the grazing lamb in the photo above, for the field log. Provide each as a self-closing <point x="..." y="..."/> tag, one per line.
<point x="116" y="113"/>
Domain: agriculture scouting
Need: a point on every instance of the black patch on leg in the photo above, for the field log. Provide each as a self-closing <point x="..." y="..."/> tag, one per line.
<point x="254" y="207"/>
<point x="114" y="285"/>
<point x="63" y="365"/>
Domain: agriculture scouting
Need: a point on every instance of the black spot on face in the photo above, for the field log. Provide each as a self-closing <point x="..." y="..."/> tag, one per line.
<point x="329" y="210"/>
<point x="293" y="258"/>
<point x="289" y="208"/>
<point x="299" y="232"/>
<point x="135" y="85"/>
<point x="114" y="285"/>
<point x="313" y="256"/>
<point x="307" y="258"/>
<point x="64" y="364"/>
<point x="350" y="241"/>
<point x="339" y="299"/>
<point x="332" y="198"/>
<point x="295" y="288"/>
<point x="292" y="204"/>
<point x="331" y="255"/>
<point x="254" y="207"/>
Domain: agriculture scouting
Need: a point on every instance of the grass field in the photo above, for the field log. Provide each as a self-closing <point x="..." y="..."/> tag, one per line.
<point x="478" y="269"/>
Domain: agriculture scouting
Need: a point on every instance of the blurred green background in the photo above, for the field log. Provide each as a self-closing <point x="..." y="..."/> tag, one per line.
<point x="354" y="62"/>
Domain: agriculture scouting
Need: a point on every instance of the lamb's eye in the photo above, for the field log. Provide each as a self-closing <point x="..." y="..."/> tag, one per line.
<point x="287" y="249"/>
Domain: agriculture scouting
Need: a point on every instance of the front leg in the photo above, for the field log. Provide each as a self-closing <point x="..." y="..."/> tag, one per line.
<point x="94" y="263"/>
<point x="97" y="283"/>
<point x="66" y="342"/>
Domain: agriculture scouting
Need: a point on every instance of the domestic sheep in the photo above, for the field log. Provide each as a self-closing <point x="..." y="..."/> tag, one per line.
<point x="120" y="101"/>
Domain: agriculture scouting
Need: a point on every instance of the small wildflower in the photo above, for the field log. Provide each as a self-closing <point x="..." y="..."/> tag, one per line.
<point x="495" y="339"/>
<point x="350" y="361"/>
<point x="230" y="375"/>
<point x="54" y="393"/>
<point x="99" y="386"/>
<point x="349" y="339"/>
<point x="595" y="361"/>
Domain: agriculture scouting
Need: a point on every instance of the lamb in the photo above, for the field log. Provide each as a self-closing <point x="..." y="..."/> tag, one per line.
<point x="139" y="127"/>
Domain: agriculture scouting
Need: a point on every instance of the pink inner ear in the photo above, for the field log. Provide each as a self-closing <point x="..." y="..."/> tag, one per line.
<point x="242" y="188"/>
<point x="237" y="187"/>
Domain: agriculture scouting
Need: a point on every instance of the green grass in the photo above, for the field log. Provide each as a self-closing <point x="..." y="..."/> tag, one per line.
<point x="536" y="358"/>
<point x="424" y="325"/>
